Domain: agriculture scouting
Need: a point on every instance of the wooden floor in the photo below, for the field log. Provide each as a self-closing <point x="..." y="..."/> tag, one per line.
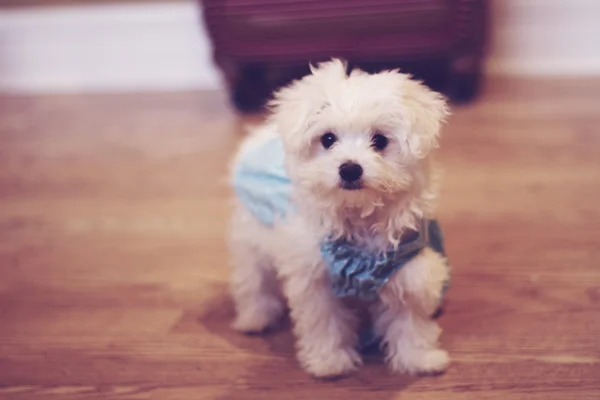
<point x="113" y="267"/>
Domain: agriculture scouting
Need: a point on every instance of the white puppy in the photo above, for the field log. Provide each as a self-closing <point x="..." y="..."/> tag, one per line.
<point x="334" y="215"/>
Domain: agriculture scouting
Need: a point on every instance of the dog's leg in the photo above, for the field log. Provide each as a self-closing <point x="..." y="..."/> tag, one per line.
<point x="404" y="318"/>
<point x="411" y="342"/>
<point x="255" y="289"/>
<point x="325" y="330"/>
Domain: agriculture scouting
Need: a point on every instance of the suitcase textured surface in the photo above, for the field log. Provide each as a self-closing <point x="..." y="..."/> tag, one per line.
<point x="261" y="44"/>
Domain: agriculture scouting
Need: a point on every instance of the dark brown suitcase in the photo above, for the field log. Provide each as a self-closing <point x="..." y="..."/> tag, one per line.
<point x="262" y="44"/>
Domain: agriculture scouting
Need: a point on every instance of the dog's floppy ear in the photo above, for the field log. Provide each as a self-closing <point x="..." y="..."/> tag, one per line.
<point x="425" y="111"/>
<point x="294" y="107"/>
<point x="290" y="110"/>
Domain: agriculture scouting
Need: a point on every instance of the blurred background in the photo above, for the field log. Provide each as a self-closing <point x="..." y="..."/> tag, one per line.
<point x="249" y="47"/>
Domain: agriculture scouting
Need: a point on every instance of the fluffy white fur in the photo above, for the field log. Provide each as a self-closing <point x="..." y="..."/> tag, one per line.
<point x="279" y="264"/>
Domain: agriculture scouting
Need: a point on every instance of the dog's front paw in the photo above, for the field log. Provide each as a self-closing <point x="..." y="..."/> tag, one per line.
<point x="331" y="363"/>
<point x="420" y="361"/>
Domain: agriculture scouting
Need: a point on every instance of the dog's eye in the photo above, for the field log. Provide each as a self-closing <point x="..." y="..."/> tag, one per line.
<point x="379" y="142"/>
<point x="328" y="139"/>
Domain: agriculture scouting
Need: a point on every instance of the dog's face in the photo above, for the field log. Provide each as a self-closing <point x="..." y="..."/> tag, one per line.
<point x="354" y="138"/>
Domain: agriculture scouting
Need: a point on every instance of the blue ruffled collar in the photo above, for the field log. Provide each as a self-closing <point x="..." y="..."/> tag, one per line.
<point x="357" y="272"/>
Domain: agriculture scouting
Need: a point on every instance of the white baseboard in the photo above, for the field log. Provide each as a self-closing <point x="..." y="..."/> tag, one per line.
<point x="163" y="46"/>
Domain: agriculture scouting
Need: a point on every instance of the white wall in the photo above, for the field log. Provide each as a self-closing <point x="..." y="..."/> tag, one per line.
<point x="158" y="46"/>
<point x="108" y="47"/>
<point x="549" y="37"/>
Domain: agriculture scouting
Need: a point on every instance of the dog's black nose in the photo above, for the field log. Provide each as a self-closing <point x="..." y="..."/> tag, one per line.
<point x="350" y="172"/>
